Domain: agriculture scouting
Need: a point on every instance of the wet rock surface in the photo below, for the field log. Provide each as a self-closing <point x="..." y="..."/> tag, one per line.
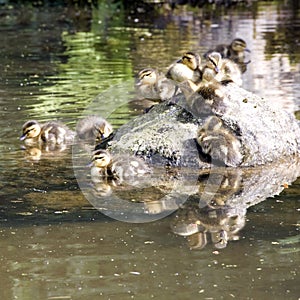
<point x="166" y="134"/>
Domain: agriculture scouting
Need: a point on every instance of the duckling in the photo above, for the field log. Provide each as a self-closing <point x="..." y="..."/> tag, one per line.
<point x="235" y="51"/>
<point x="52" y="132"/>
<point x="219" y="142"/>
<point x="93" y="129"/>
<point x="120" y="167"/>
<point x="223" y="70"/>
<point x="205" y="97"/>
<point x="209" y="87"/>
<point x="188" y="67"/>
<point x="154" y="86"/>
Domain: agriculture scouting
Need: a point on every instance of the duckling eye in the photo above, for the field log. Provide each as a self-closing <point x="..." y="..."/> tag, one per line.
<point x="101" y="157"/>
<point x="147" y="74"/>
<point x="28" y="130"/>
<point x="212" y="61"/>
<point x="187" y="57"/>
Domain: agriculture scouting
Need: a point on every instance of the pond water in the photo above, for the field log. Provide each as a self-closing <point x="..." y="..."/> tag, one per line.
<point x="62" y="62"/>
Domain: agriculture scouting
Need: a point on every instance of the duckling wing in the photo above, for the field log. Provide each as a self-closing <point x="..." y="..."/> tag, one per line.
<point x="166" y="89"/>
<point x="223" y="50"/>
<point x="56" y="133"/>
<point x="230" y="71"/>
<point x="180" y="72"/>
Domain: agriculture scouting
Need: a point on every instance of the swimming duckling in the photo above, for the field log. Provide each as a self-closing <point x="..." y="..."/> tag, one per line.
<point x="235" y="51"/>
<point x="93" y="129"/>
<point x="186" y="68"/>
<point x="223" y="70"/>
<point x="120" y="167"/>
<point x="52" y="132"/>
<point x="219" y="142"/>
<point x="154" y="86"/>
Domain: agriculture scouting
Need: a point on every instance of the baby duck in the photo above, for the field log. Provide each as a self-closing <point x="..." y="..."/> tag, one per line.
<point x="205" y="97"/>
<point x="119" y="167"/>
<point x="93" y="129"/>
<point x="52" y="132"/>
<point x="223" y="70"/>
<point x="235" y="51"/>
<point x="219" y="142"/>
<point x="209" y="87"/>
<point x="153" y="85"/>
<point x="186" y="68"/>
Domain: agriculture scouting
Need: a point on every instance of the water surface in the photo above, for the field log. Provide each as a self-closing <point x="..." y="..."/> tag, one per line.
<point x="54" y="244"/>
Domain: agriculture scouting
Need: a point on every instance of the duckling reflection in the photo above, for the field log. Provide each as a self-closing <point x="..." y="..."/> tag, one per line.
<point x="197" y="224"/>
<point x="33" y="154"/>
<point x="218" y="186"/>
<point x="219" y="143"/>
<point x="235" y="51"/>
<point x="93" y="129"/>
<point x="197" y="240"/>
<point x="103" y="188"/>
<point x="187" y="68"/>
<point x="223" y="70"/>
<point x="52" y="132"/>
<point x="46" y="151"/>
<point x="153" y="85"/>
<point x="117" y="167"/>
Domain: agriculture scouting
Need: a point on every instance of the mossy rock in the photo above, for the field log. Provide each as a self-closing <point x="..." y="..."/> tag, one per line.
<point x="166" y="134"/>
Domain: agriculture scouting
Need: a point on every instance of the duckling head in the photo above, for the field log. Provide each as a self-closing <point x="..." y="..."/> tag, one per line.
<point x="101" y="158"/>
<point x="191" y="60"/>
<point x="147" y="76"/>
<point x="103" y="130"/>
<point x="214" y="60"/>
<point x="239" y="45"/>
<point x="31" y="129"/>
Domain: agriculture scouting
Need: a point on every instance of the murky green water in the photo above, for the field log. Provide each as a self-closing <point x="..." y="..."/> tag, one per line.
<point x="55" y="62"/>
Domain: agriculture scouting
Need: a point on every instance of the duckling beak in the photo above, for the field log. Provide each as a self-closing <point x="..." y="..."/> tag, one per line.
<point x="217" y="69"/>
<point x="23" y="137"/>
<point x="179" y="60"/>
<point x="247" y="50"/>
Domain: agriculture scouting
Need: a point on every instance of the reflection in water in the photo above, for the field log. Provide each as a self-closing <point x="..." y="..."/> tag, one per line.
<point x="210" y="205"/>
<point x="219" y="209"/>
<point x="46" y="152"/>
<point x="220" y="225"/>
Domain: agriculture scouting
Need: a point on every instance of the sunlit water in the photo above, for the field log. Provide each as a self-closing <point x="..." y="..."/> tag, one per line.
<point x="54" y="244"/>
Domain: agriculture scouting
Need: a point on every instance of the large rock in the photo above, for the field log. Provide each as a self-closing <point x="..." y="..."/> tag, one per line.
<point x="166" y="134"/>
